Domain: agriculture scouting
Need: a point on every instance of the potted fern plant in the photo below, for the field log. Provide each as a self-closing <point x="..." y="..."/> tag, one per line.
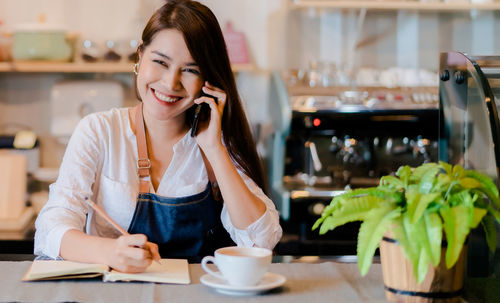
<point x="421" y="217"/>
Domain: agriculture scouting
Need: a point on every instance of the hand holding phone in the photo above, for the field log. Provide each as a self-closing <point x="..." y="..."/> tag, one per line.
<point x="201" y="112"/>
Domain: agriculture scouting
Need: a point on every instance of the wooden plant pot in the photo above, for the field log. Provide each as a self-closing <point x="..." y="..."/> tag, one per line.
<point x="440" y="284"/>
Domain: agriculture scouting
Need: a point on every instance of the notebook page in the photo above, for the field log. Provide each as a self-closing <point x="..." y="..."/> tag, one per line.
<point x="41" y="269"/>
<point x="169" y="271"/>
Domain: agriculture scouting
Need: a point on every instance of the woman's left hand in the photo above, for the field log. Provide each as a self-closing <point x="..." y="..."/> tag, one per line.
<point x="209" y="131"/>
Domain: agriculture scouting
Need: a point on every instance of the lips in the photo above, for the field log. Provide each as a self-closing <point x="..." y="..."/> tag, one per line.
<point x="165" y="99"/>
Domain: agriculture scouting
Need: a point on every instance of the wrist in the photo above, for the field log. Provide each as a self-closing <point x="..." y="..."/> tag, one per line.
<point x="106" y="254"/>
<point x="214" y="151"/>
<point x="109" y="253"/>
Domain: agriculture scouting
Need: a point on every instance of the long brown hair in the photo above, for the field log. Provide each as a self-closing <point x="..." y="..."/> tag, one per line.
<point x="204" y="39"/>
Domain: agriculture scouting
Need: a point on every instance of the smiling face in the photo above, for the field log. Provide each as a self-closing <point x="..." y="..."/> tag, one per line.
<point x="168" y="79"/>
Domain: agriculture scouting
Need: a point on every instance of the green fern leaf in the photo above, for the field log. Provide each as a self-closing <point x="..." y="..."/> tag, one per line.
<point x="469" y="183"/>
<point x="404" y="173"/>
<point x="447" y="167"/>
<point x="418" y="234"/>
<point x="372" y="191"/>
<point x="371" y="232"/>
<point x="330" y="208"/>
<point x="493" y="199"/>
<point x="478" y="215"/>
<point x="359" y="200"/>
<point x="495" y="213"/>
<point x="490" y="232"/>
<point x="422" y="204"/>
<point x="434" y="230"/>
<point x="423" y="266"/>
<point x="455" y="231"/>
<point x="491" y="196"/>
<point x="331" y="223"/>
<point x="485" y="181"/>
<point x="325" y="214"/>
<point x="420" y="171"/>
<point x="334" y="205"/>
<point x="428" y="179"/>
<point x="318" y="223"/>
<point x="328" y="224"/>
<point x="456" y="198"/>
<point x="465" y="199"/>
<point x="391" y="182"/>
<point x="353" y="210"/>
<point x="402" y="234"/>
<point x="420" y="246"/>
<point x="412" y="196"/>
<point x="442" y="183"/>
<point x="458" y="172"/>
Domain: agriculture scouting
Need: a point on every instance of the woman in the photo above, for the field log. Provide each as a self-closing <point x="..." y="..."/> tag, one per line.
<point x="143" y="167"/>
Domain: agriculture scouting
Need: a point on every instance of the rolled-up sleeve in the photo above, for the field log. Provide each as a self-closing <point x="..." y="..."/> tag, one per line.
<point x="65" y="208"/>
<point x="265" y="231"/>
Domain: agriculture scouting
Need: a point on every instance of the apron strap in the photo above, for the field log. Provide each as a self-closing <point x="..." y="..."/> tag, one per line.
<point x="143" y="162"/>
<point x="211" y="177"/>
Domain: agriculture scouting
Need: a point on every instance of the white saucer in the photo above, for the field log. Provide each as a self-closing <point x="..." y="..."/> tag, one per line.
<point x="268" y="282"/>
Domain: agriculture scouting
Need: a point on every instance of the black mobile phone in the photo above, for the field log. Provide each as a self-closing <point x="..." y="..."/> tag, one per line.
<point x="201" y="113"/>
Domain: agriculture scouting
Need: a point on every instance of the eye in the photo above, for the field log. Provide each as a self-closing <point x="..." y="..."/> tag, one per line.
<point x="192" y="70"/>
<point x="160" y="62"/>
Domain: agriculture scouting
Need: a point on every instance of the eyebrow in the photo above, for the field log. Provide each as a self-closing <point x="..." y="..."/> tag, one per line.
<point x="170" y="59"/>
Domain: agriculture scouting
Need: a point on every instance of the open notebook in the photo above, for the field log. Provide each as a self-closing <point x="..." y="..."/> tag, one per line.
<point x="169" y="271"/>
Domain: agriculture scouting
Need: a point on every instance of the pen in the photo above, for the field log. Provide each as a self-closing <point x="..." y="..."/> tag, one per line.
<point x="102" y="213"/>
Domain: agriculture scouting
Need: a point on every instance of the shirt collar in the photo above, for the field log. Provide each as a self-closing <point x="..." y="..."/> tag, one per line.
<point x="185" y="142"/>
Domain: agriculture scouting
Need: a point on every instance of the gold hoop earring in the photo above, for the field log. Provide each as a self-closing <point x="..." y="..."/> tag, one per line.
<point x="136" y="69"/>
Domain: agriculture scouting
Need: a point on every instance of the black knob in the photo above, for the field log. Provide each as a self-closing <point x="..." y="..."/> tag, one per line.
<point x="444" y="75"/>
<point x="308" y="122"/>
<point x="459" y="77"/>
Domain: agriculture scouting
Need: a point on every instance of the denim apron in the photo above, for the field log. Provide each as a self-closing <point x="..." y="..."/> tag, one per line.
<point x="181" y="226"/>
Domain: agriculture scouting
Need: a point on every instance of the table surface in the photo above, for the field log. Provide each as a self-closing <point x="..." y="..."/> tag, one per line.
<point x="306" y="282"/>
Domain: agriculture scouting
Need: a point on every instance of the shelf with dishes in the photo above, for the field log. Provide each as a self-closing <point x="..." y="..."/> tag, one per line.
<point x="396" y="5"/>
<point x="77" y="67"/>
<point x="366" y="93"/>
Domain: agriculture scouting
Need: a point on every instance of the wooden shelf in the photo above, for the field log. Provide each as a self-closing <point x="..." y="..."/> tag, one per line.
<point x="99" y="67"/>
<point x="394" y="5"/>
<point x="62" y="67"/>
<point x="305" y="90"/>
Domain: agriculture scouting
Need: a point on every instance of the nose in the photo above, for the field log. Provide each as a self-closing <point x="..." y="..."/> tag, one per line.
<point x="172" y="79"/>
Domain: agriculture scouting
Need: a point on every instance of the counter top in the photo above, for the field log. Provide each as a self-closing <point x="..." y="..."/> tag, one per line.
<point x="309" y="279"/>
<point x="305" y="283"/>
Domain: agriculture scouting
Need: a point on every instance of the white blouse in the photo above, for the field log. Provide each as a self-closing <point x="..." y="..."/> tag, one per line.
<point x="100" y="163"/>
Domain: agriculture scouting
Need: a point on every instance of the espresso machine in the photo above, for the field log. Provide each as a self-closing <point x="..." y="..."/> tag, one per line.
<point x="327" y="140"/>
<point x="469" y="135"/>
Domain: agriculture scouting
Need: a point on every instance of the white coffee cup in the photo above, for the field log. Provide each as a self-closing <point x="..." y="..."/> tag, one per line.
<point x="240" y="266"/>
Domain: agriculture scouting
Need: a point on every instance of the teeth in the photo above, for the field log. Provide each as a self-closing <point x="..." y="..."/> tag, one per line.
<point x="162" y="97"/>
